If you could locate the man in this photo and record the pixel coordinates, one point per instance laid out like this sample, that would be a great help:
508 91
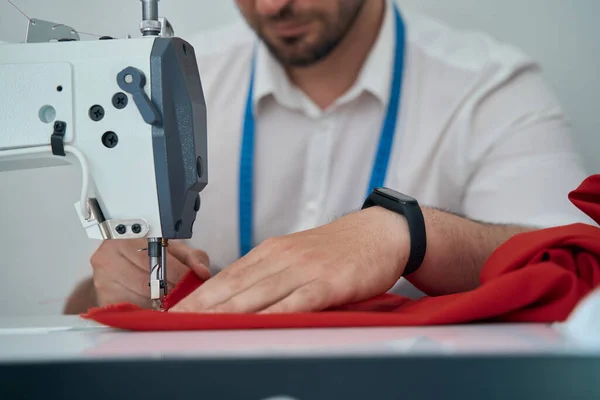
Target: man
314 108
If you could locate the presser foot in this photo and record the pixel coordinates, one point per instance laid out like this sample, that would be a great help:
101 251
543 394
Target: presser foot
157 305
157 253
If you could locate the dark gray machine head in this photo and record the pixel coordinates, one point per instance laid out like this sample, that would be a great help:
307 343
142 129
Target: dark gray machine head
179 139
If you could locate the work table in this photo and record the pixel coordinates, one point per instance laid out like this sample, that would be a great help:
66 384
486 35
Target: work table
70 357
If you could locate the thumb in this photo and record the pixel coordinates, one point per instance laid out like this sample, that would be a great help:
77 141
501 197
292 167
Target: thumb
195 259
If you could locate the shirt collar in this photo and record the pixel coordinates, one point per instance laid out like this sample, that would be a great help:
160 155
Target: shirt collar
375 76
270 78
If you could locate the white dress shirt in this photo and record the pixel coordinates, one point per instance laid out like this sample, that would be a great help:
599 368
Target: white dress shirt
479 133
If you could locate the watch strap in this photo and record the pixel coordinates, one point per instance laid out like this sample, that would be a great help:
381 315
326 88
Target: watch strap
416 227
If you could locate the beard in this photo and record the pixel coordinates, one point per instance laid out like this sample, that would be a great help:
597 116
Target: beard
315 44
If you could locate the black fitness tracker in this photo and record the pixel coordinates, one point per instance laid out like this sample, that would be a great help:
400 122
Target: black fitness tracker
409 208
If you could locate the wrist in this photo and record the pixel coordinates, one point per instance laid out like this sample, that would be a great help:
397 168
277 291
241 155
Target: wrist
409 208
394 238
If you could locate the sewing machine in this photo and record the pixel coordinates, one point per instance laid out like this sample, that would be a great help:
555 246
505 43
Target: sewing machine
130 112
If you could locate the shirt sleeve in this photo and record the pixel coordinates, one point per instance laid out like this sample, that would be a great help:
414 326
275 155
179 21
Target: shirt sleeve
522 159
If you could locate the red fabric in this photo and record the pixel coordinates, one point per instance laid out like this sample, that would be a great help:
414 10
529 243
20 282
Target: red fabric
534 277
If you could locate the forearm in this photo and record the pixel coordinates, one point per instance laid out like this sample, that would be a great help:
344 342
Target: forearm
457 249
82 298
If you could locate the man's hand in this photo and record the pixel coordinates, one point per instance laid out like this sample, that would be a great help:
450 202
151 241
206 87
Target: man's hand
121 272
354 258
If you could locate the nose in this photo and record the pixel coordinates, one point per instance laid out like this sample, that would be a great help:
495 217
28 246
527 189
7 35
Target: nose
270 7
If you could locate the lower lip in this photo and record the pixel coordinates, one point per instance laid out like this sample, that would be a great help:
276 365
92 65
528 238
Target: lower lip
289 31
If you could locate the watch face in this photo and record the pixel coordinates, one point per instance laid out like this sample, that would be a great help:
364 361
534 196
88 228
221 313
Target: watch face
397 196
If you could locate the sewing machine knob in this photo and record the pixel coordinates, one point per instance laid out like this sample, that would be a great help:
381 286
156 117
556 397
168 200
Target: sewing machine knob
133 81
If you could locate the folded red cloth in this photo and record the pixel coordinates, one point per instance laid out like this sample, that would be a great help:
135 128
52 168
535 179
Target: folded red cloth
537 276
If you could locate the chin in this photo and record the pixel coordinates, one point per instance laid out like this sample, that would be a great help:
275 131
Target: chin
299 53
295 59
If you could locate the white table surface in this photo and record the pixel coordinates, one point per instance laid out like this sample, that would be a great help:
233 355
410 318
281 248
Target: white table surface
68 338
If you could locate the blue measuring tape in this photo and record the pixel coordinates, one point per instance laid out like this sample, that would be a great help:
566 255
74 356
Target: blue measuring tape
381 159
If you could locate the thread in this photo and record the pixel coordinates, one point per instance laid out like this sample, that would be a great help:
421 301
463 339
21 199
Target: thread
31 20
79 32
18 9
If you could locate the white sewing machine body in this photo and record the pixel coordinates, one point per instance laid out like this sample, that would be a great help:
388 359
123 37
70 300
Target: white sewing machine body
131 112
68 81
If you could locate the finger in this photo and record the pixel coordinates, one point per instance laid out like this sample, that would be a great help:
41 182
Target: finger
188 255
195 259
123 272
135 251
118 293
228 283
110 265
175 269
264 293
316 295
